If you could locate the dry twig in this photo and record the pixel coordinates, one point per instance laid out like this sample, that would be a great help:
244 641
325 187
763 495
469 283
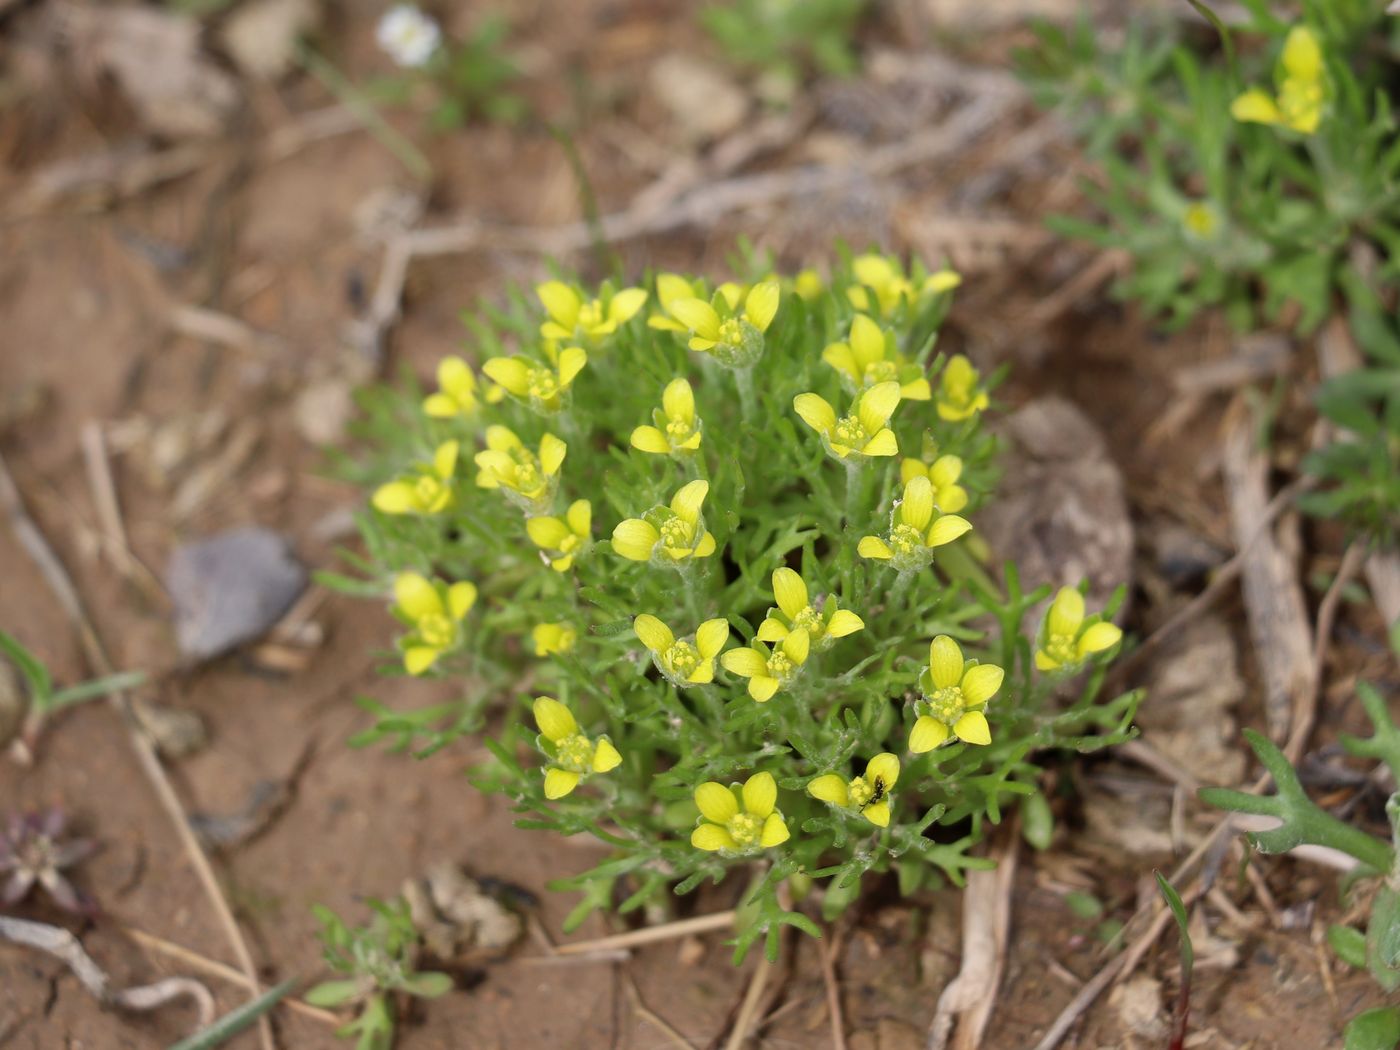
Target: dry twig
826 955
748 1009
651 934
31 538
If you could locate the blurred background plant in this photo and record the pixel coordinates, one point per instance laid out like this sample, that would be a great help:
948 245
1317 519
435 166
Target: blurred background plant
782 40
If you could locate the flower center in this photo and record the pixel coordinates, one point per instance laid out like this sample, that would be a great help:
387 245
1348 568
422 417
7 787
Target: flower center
679 430
849 432
681 659
809 620
732 332
861 792
746 829
676 533
1060 648
590 316
427 491
543 384
947 704
906 540
880 372
1298 100
528 480
574 753
780 666
436 630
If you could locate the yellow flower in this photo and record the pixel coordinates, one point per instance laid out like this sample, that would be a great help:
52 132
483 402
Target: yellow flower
435 612
739 820
868 794
529 480
954 690
864 432
668 535
960 395
735 337
677 430
881 285
1200 220
869 357
1066 640
572 755
769 670
915 529
671 288
685 661
808 285
570 317
824 622
943 474
1301 74
426 490
561 539
457 395
545 388
551 638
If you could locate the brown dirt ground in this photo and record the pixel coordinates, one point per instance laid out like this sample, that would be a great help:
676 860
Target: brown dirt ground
83 309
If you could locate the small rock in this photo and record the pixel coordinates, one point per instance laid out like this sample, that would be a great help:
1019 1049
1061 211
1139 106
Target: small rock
1182 556
705 103
175 732
1138 1002
323 410
230 588
261 37
1062 516
457 918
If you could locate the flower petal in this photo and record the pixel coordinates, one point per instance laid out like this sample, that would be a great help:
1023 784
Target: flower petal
650 439
1066 613
973 728
842 623
867 342
717 803
829 788
571 362
1302 56
945 662
501 439
797 645
916 508
416 596
510 372
559 782
703 674
460 599
946 529
815 411
883 443
874 547
634 539
1098 637
561 302
652 633
775 831
761 304
678 401
712 837
711 637
605 756
981 682
697 315
747 663
625 304
552 453
839 357
670 287
554 719
689 499
706 546
877 405
1255 107
762 688
909 469
580 518
928 734
418 658
772 630
445 459
883 767
440 406
878 813
916 390
547 533
394 498
789 591
760 794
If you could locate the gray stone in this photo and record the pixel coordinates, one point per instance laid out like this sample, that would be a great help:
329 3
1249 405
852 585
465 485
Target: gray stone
230 588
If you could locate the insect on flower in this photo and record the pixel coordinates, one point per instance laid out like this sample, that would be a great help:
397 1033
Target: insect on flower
668 536
562 539
960 394
915 529
434 611
677 429
865 432
882 286
739 820
427 489
867 794
544 387
1301 74
551 638
573 317
1066 640
769 670
732 335
408 36
869 356
527 479
685 661
572 755
34 852
955 691
824 622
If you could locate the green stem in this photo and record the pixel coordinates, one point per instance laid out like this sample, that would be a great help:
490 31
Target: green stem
748 400
853 487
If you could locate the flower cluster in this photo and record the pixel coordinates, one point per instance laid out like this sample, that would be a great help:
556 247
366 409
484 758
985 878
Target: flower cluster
1302 88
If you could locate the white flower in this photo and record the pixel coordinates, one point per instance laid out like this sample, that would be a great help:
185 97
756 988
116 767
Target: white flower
408 36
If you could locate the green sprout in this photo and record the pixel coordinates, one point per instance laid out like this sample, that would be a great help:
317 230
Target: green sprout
376 962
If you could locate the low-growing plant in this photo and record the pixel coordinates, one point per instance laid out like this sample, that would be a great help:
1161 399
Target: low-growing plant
784 39
1302 821
377 963
715 550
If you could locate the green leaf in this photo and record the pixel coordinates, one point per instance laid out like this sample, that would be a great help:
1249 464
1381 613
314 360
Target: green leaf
1383 939
334 993
1173 899
96 688
428 985
31 667
1377 1029
235 1021
1348 944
